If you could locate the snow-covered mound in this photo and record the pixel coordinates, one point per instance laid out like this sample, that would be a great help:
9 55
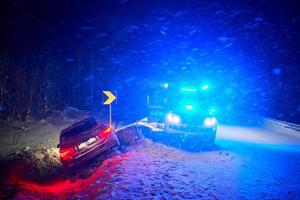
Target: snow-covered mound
36 165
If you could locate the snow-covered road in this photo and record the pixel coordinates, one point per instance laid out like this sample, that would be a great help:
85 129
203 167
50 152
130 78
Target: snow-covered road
247 163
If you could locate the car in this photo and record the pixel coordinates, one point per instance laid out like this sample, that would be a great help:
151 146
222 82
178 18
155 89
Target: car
84 140
199 127
185 111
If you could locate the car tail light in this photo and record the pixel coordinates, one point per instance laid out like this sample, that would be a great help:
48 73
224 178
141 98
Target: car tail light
67 153
105 132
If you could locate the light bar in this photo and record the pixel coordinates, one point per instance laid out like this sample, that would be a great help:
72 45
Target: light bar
189 89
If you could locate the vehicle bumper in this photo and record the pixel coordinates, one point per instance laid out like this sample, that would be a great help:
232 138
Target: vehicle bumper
192 138
191 130
110 143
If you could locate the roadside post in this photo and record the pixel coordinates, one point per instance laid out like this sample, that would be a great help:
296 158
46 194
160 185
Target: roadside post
110 99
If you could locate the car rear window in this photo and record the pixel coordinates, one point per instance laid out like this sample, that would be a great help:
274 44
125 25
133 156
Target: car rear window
79 129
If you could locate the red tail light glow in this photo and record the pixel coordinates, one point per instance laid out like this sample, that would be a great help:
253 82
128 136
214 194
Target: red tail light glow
67 153
105 132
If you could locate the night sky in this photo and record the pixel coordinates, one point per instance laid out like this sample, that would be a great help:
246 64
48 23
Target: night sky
249 51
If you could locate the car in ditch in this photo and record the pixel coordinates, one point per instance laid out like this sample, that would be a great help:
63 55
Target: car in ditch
84 140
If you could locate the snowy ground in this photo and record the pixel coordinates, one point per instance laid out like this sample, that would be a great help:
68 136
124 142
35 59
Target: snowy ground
247 163
43 133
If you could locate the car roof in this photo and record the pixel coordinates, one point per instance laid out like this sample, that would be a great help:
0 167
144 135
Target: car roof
78 124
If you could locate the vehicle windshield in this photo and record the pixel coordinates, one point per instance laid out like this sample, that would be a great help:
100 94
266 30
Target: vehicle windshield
189 99
79 129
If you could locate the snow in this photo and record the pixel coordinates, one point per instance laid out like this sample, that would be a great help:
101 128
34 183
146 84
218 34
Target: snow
245 164
248 50
101 35
163 32
277 71
36 133
153 170
87 28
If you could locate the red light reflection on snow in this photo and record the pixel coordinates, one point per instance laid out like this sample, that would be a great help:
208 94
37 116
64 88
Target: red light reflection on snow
62 187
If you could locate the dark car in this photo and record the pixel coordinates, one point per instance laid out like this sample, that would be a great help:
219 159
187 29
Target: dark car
185 111
84 140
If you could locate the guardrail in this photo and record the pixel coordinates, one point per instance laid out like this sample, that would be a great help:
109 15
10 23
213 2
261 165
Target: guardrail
156 127
288 125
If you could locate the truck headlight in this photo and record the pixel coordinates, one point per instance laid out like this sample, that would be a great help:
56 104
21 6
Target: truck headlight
209 122
173 119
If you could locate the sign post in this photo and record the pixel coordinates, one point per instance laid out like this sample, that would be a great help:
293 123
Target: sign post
110 98
110 115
